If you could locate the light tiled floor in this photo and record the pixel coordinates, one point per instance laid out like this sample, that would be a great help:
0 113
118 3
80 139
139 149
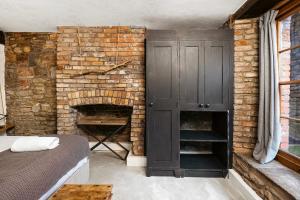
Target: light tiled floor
130 183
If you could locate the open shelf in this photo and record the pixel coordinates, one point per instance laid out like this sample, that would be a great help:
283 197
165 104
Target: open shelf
201 162
201 136
204 144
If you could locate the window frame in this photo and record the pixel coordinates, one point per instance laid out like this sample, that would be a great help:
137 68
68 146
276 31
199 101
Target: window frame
286 9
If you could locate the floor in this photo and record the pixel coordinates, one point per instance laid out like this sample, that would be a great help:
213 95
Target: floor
131 182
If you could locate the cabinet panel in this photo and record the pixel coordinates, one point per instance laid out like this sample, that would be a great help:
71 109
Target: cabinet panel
216 75
162 69
191 74
162 87
164 139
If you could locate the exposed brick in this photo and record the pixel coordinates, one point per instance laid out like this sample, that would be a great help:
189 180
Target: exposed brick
245 85
98 51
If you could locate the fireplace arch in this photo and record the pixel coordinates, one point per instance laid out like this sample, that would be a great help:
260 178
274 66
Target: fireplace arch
111 97
106 97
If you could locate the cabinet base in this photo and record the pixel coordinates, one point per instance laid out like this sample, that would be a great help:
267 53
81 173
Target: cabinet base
186 173
203 173
163 172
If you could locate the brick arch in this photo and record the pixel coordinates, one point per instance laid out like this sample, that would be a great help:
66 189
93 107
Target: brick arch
112 97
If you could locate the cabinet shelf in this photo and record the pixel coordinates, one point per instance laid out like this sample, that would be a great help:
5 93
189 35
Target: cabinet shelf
201 136
201 162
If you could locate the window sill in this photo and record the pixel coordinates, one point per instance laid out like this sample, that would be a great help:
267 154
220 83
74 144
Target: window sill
274 172
288 160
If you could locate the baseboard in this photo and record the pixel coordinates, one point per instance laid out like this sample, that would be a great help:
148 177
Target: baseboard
237 183
112 145
136 161
132 160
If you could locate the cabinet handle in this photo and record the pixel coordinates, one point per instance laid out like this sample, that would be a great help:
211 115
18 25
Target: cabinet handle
207 105
151 104
201 105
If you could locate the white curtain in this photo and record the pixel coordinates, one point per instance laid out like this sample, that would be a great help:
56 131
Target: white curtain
269 131
2 86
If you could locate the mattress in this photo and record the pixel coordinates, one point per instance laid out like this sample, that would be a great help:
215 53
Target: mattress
70 175
31 175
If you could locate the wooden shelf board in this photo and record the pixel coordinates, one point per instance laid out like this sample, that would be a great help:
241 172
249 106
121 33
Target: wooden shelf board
105 121
201 136
201 162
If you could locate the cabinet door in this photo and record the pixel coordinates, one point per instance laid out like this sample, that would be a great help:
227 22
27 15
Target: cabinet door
216 75
162 83
191 75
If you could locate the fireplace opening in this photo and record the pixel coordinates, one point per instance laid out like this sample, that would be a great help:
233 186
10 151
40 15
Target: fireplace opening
101 119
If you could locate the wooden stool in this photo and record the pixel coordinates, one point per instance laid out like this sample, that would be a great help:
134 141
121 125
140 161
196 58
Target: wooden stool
119 123
78 192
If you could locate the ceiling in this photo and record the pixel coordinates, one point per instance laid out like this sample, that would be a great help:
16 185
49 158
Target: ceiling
46 15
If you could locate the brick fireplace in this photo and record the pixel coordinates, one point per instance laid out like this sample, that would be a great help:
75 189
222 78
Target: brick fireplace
81 50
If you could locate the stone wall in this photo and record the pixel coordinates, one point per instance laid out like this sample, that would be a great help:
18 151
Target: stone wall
245 85
261 178
84 49
30 82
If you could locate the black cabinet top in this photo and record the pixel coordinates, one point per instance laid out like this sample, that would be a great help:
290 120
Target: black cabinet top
173 35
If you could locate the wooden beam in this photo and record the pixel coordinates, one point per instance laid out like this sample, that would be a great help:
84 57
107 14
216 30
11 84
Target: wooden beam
288 49
2 37
289 82
102 120
280 4
290 118
244 8
255 8
289 160
289 8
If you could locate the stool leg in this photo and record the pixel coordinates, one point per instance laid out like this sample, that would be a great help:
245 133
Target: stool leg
113 151
127 151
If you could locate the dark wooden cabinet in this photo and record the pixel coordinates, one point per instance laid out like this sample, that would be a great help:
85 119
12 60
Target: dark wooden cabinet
216 75
192 75
204 75
162 106
188 79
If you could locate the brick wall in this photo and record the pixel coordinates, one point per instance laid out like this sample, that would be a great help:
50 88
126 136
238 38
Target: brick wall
30 82
284 75
294 126
245 85
246 92
98 50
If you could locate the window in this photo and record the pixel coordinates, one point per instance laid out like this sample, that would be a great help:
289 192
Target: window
288 29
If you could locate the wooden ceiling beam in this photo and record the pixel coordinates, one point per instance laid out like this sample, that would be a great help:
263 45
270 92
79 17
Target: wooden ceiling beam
2 37
244 8
255 8
289 8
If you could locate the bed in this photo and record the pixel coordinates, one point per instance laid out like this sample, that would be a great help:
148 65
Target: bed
36 175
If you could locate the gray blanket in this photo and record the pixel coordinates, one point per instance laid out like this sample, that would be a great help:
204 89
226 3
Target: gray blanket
29 175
